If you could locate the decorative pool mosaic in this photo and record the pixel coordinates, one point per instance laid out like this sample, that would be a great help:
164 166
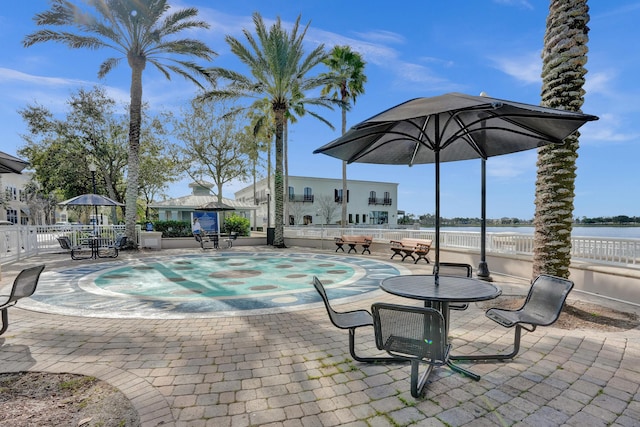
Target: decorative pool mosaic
224 283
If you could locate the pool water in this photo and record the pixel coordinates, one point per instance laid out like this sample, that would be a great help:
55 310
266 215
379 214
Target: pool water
206 285
221 277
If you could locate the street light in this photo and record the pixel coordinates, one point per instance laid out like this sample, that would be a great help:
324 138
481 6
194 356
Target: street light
268 208
93 168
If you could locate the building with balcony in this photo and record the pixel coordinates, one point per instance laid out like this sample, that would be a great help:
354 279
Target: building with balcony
16 209
319 201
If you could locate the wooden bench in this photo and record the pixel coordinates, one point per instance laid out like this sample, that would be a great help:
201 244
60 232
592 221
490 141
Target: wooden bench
352 241
411 248
24 286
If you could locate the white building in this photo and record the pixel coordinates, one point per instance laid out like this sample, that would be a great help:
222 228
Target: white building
319 201
181 208
16 209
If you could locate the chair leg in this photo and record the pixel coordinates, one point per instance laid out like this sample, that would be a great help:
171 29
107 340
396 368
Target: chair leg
5 320
352 350
417 384
506 356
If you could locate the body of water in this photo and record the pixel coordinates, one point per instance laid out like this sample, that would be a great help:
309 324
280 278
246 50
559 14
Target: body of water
614 232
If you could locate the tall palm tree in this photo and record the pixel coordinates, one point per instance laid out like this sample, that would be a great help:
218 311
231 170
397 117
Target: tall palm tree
563 75
348 68
140 31
278 72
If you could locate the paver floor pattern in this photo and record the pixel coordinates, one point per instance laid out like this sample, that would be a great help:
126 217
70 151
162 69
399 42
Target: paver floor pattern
293 369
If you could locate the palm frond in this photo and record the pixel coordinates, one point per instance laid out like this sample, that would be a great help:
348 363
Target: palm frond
107 66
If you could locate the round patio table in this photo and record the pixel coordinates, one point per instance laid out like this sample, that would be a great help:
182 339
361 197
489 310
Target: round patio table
438 294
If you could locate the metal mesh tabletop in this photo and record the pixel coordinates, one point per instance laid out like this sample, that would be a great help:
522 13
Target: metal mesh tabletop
449 288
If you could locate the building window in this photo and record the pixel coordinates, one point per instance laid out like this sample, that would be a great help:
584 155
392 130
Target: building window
350 218
357 218
308 194
12 215
308 220
292 194
387 198
379 217
372 198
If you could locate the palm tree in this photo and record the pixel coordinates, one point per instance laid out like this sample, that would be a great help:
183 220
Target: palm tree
564 56
142 32
348 68
278 73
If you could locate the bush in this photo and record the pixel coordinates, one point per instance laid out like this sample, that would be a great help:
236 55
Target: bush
236 223
173 228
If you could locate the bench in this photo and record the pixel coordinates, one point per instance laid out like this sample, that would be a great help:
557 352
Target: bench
23 286
411 248
352 241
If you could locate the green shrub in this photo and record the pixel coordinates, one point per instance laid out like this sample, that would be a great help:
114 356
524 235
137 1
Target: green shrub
236 223
173 228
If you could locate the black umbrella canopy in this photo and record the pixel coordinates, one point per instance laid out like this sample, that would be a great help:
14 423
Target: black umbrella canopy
215 207
10 164
90 200
452 127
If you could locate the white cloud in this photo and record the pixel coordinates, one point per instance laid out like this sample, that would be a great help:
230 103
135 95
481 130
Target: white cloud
512 165
525 68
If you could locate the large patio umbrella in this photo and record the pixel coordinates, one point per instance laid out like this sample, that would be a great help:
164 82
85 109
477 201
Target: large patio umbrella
452 127
91 200
10 164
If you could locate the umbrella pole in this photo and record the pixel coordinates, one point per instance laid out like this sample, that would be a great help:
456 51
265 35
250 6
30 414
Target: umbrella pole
437 162
483 268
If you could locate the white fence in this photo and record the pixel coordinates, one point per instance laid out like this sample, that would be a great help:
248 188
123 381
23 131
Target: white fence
604 250
18 242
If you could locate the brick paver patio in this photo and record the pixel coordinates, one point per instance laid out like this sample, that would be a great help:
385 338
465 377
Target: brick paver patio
293 368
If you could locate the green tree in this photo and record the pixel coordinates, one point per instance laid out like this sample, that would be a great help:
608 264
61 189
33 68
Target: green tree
563 75
278 74
214 145
347 67
142 32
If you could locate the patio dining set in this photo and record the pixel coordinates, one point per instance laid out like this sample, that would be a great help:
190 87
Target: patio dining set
420 334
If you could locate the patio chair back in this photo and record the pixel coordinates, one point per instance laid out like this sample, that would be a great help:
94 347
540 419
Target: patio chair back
455 269
410 332
24 284
543 305
120 242
65 243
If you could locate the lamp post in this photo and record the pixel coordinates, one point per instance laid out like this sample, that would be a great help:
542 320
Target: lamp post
93 168
268 208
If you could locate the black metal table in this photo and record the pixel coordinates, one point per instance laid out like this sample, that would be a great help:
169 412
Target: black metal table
439 294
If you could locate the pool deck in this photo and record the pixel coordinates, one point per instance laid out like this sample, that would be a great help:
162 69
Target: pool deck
293 368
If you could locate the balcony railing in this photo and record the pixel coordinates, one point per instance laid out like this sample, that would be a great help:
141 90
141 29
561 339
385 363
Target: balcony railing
301 198
378 201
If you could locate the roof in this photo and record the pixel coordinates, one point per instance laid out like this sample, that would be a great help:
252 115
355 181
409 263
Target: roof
192 201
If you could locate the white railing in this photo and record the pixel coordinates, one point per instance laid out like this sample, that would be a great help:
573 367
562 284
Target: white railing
17 242
606 250
22 241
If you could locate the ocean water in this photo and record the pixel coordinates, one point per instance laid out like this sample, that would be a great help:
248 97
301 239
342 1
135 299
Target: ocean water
614 232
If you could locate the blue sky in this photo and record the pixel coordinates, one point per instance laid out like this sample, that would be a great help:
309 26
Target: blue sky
412 49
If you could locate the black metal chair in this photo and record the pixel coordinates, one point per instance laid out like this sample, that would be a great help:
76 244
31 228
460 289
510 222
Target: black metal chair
75 251
349 320
112 251
455 269
542 307
416 334
24 286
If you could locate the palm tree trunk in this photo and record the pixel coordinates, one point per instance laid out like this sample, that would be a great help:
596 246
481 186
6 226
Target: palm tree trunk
278 238
344 172
564 55
133 168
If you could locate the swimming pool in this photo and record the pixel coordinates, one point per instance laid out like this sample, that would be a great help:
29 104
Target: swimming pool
211 285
